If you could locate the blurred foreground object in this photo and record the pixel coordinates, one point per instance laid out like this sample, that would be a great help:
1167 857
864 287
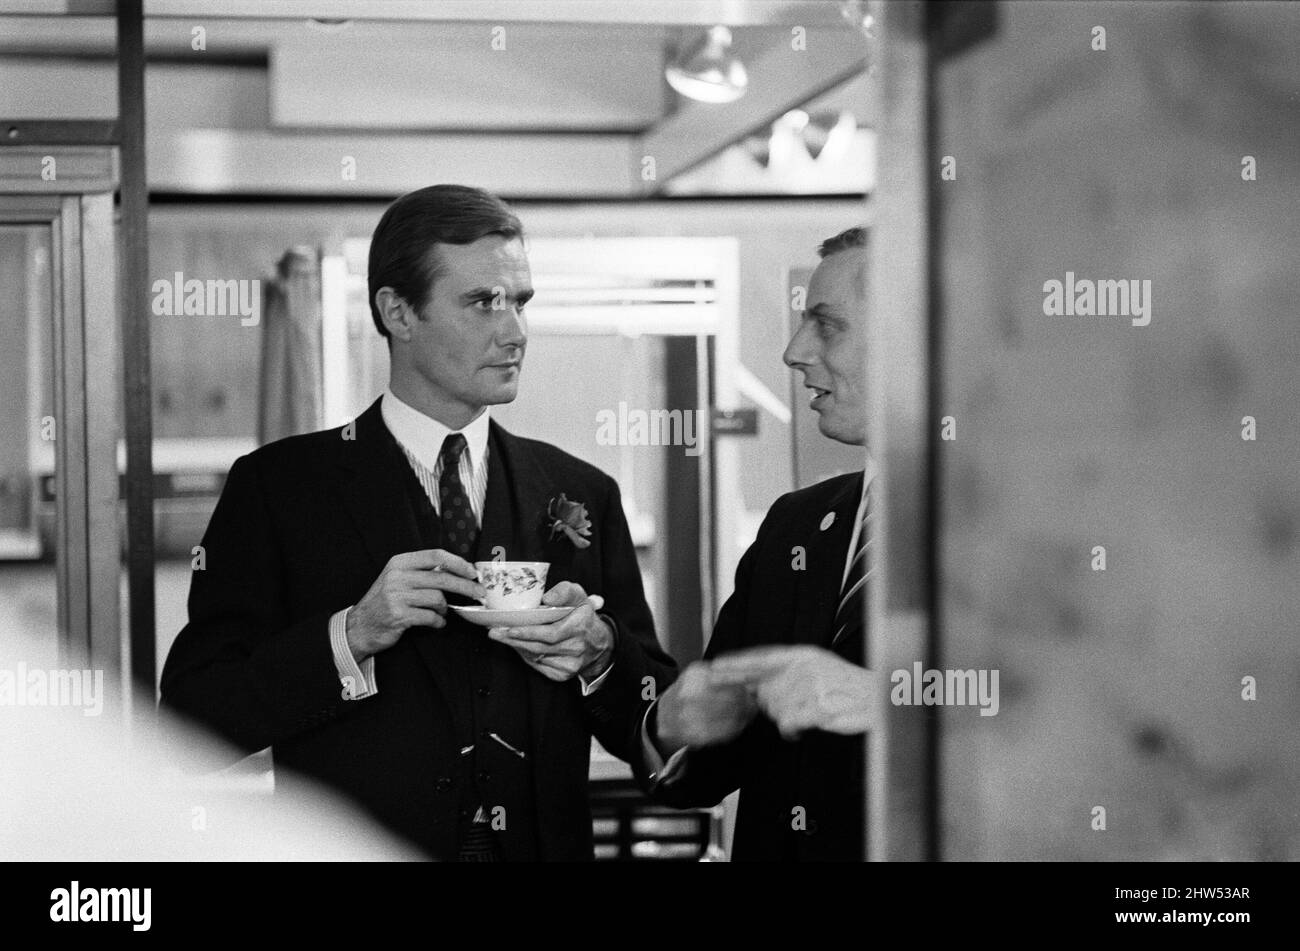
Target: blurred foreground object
71 789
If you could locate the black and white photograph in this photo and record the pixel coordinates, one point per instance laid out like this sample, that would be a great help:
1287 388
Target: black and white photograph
655 432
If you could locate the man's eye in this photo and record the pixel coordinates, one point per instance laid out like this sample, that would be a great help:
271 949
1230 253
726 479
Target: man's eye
483 304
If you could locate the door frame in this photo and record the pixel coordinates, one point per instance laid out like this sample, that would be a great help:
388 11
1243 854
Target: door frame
70 189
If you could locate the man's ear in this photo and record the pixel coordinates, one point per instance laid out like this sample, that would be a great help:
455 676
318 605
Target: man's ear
395 312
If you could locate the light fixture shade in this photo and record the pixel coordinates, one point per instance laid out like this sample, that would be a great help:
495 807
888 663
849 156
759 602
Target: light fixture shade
829 131
708 71
759 148
858 14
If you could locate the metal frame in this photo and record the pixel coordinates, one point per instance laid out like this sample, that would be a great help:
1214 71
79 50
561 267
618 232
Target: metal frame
59 132
81 168
137 372
84 346
700 13
91 169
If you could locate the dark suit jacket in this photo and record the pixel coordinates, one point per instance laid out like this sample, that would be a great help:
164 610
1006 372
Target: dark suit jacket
302 529
776 602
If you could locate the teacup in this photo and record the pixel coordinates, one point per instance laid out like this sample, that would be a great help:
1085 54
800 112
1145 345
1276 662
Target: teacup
512 585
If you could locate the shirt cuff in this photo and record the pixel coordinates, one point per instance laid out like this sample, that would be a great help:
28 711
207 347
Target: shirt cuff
661 773
589 688
358 680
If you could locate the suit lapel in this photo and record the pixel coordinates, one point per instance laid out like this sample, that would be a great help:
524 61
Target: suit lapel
517 493
519 489
819 586
374 496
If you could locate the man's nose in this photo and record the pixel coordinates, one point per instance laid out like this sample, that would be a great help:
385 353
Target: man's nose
514 332
798 351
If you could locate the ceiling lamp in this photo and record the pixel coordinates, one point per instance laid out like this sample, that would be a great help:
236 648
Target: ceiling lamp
759 148
858 15
708 70
829 133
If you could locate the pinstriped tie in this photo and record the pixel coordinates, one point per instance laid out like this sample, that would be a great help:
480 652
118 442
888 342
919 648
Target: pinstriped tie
853 595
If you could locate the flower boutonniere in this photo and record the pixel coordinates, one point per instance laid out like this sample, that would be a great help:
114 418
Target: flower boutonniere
570 518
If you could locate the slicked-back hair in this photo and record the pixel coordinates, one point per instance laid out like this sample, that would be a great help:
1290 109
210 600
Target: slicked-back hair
402 254
855 237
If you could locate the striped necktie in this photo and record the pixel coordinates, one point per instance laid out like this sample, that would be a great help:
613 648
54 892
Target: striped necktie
849 616
459 527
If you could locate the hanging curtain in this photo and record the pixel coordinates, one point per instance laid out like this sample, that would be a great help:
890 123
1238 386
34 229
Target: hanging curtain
291 396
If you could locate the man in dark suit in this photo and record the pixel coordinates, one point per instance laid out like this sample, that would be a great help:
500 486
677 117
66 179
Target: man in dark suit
320 624
777 706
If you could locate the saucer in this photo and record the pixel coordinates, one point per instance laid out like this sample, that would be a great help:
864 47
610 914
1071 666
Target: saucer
486 617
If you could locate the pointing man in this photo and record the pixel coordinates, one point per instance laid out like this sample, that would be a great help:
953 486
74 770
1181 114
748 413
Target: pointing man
776 706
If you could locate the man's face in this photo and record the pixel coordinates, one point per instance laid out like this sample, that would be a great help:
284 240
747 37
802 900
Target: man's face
830 346
469 344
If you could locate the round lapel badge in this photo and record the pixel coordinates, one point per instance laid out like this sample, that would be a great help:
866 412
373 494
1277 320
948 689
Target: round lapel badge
828 521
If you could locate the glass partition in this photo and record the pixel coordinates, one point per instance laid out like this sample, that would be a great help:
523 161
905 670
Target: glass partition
60 571
28 603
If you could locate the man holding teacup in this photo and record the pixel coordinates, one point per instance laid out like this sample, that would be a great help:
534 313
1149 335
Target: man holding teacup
321 624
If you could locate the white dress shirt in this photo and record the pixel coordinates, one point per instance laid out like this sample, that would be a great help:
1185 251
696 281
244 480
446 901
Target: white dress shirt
421 438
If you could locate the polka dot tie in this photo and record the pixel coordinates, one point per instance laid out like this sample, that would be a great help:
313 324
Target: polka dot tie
459 528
